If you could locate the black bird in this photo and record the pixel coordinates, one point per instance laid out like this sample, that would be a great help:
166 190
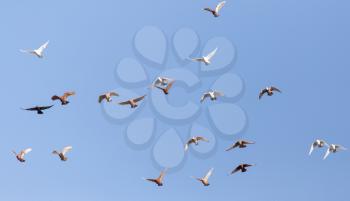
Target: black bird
241 168
269 91
39 109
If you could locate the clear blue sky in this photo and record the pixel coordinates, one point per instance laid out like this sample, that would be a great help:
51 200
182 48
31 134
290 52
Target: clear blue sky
299 46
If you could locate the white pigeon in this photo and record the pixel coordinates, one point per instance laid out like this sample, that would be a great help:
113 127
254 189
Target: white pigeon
206 59
161 81
317 144
333 148
37 52
63 153
205 179
213 95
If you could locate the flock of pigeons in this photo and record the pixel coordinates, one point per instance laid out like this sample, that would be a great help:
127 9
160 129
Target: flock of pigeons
165 84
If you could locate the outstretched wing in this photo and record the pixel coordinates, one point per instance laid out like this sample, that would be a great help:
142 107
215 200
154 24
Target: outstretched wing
219 6
30 109
262 92
312 148
208 9
210 172
211 54
275 89
205 95
125 102
170 85
139 98
113 94
202 138
238 168
43 47
340 147
26 151
70 93
45 107
232 147
327 153
162 174
218 93
100 98
66 149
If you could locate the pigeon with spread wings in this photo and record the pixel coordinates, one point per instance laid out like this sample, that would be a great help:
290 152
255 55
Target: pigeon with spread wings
205 179
240 144
63 98
37 52
333 148
158 180
195 140
133 102
62 154
215 11
38 109
107 96
317 144
206 59
21 154
213 95
241 168
167 88
269 91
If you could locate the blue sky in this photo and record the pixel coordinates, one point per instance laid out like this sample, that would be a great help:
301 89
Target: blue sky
299 46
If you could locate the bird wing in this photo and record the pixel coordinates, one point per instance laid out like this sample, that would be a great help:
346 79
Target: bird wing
210 172
218 93
340 147
327 153
43 47
55 97
219 6
162 174
66 149
236 169
70 93
202 138
262 92
170 84
45 107
211 54
208 9
275 89
204 96
113 94
247 142
139 98
232 146
197 59
26 151
100 98
312 148
30 109
125 102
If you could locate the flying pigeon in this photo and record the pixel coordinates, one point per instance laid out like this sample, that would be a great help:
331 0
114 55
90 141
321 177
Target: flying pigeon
240 144
205 179
21 154
161 81
107 96
269 91
159 180
63 98
317 144
38 109
217 9
194 140
206 59
213 95
333 148
37 52
241 167
132 102
63 153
